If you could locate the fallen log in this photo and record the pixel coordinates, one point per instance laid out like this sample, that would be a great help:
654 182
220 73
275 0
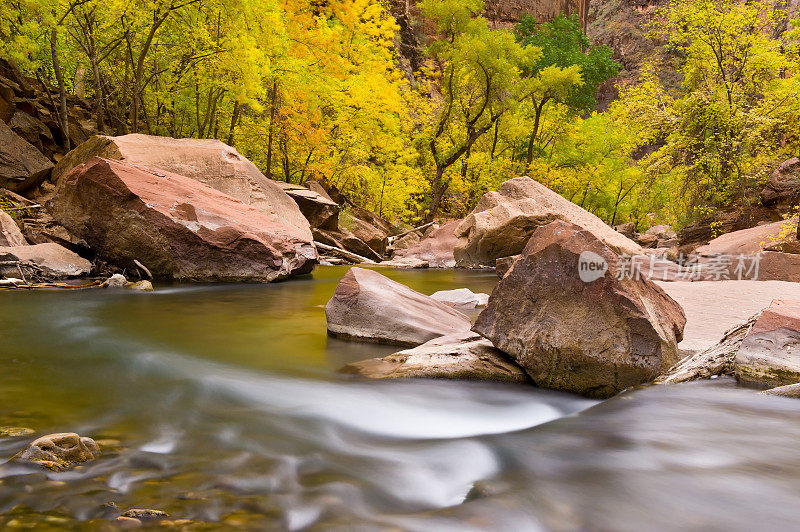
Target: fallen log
344 253
412 230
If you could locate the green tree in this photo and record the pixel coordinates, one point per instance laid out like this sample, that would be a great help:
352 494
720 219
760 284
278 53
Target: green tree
568 72
480 81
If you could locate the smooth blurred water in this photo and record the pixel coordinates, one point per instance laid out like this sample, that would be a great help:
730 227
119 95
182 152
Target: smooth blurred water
228 409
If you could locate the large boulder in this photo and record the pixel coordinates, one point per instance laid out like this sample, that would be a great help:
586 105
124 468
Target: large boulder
22 166
436 248
48 261
369 307
59 452
320 211
464 355
770 353
768 236
208 161
10 234
573 323
503 222
176 227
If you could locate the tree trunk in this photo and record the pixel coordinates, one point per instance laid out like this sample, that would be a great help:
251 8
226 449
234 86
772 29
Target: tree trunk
62 90
234 120
438 193
270 135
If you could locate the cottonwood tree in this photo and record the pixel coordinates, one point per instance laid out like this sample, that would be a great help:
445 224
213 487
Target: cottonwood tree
479 81
568 72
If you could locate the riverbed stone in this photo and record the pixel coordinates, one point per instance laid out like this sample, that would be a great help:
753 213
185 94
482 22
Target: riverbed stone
579 329
464 355
461 298
175 226
770 354
789 390
115 281
370 307
502 223
50 261
208 161
59 452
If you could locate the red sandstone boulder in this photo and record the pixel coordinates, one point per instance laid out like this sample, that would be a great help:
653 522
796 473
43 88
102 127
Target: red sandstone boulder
176 227
503 222
771 236
436 249
770 353
208 161
564 315
369 307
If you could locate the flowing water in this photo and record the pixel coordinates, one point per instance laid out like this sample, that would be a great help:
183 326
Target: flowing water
222 404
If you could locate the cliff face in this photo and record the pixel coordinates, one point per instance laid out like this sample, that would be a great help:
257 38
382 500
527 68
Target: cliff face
508 12
415 30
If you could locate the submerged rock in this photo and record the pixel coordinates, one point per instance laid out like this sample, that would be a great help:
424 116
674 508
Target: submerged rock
176 227
770 353
464 355
13 432
145 514
503 222
573 324
59 452
461 298
369 307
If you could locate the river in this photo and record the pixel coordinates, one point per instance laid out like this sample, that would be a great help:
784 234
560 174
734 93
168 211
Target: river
223 404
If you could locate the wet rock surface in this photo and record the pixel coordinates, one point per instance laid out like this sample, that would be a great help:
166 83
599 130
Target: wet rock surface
59 452
369 307
456 356
176 227
595 335
770 353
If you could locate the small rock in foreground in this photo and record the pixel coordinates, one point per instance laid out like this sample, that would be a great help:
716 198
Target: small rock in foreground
461 298
790 390
457 356
770 354
59 452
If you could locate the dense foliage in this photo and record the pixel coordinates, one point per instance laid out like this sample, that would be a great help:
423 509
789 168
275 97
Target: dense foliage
315 90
